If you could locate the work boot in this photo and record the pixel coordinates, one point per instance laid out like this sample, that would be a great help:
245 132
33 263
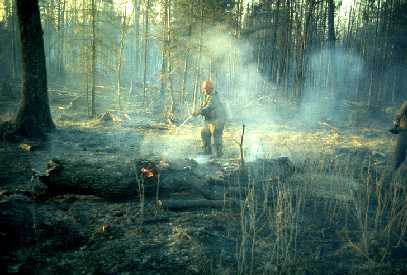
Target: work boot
219 152
207 150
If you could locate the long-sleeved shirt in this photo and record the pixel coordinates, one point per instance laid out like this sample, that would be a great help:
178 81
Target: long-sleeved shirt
212 108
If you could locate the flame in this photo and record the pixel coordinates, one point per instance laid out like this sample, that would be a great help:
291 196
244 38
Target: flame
147 172
104 227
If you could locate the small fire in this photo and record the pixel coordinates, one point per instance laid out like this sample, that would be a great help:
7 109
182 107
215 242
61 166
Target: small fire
104 228
147 172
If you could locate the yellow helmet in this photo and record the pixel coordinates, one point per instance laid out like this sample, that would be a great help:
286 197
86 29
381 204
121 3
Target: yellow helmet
207 85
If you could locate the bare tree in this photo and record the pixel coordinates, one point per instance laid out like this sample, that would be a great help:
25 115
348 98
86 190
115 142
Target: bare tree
93 87
146 34
123 34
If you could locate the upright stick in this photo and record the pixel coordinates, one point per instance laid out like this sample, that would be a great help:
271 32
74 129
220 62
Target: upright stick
241 147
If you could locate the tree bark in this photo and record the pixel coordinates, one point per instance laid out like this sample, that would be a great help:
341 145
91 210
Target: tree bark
137 9
34 115
123 34
114 181
331 45
146 34
93 92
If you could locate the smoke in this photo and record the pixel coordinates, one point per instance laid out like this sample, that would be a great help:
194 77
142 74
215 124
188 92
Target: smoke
253 100
231 63
180 144
332 76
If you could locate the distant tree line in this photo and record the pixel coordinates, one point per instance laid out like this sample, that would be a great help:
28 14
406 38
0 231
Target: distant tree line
144 49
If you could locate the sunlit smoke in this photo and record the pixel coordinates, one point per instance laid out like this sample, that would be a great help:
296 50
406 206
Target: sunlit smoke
327 84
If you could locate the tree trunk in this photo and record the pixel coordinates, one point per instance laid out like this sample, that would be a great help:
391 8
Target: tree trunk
146 30
34 115
184 78
137 6
92 96
120 60
331 45
164 53
14 46
61 35
198 73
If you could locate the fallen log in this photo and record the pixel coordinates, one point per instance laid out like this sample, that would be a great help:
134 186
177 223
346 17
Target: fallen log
118 179
111 179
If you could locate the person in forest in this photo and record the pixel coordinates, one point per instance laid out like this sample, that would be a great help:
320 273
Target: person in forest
400 128
214 114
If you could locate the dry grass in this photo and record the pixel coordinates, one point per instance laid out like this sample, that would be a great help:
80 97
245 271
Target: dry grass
369 210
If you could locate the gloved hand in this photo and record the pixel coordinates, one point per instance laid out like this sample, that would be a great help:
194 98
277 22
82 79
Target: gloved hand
396 128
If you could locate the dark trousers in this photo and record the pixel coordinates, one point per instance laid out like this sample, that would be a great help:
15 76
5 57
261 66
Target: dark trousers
212 129
401 148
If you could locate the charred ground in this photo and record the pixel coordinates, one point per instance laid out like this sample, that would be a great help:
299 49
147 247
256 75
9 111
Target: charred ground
308 200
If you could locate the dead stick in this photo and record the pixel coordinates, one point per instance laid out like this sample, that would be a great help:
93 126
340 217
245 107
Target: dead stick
157 190
241 147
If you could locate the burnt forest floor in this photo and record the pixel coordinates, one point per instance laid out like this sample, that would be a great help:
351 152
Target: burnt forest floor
337 210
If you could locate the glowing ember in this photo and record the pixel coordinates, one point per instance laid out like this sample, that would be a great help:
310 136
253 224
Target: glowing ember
147 172
104 227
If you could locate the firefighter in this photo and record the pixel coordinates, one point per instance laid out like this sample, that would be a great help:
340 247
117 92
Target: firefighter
214 114
400 128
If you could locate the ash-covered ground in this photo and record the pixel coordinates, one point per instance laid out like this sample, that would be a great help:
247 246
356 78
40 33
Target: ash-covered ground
315 199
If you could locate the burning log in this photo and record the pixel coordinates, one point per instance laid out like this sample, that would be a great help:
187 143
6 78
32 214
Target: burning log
148 173
116 179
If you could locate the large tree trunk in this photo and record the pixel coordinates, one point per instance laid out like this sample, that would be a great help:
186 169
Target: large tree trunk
34 116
